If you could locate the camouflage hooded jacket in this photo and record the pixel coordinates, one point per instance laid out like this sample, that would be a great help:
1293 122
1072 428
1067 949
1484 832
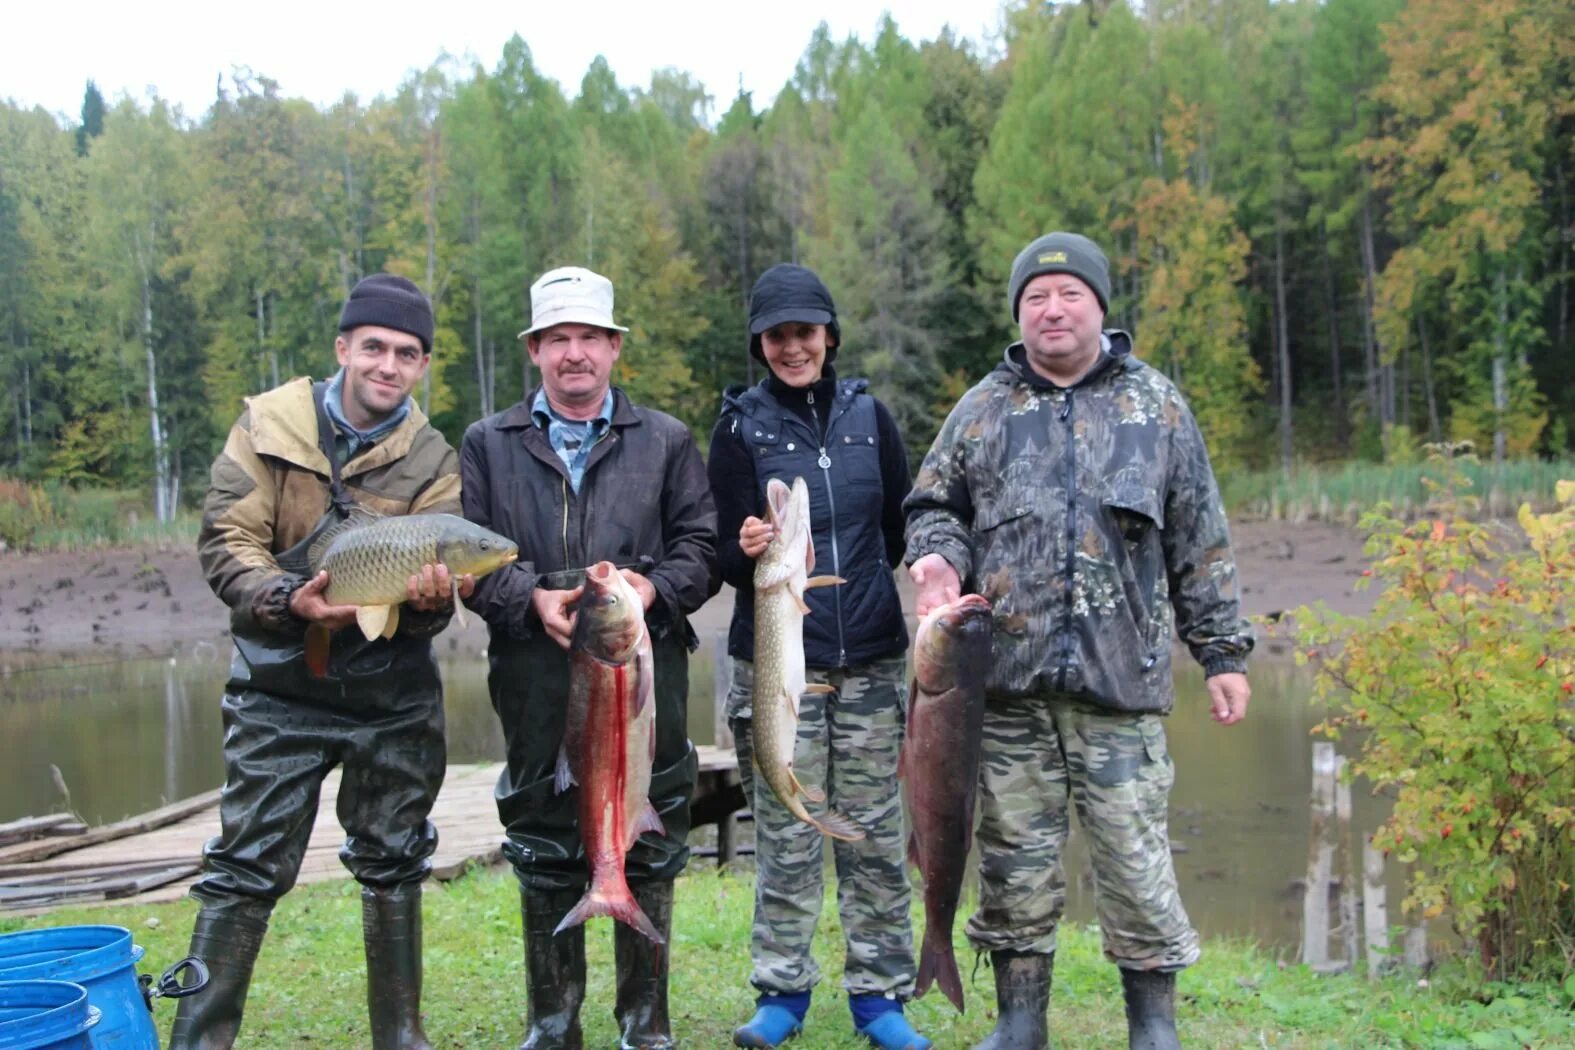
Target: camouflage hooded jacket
1088 515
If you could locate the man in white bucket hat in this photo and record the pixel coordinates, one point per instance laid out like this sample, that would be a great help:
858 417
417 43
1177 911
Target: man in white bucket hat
577 473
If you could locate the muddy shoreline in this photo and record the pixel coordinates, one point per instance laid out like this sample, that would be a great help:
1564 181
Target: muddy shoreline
149 601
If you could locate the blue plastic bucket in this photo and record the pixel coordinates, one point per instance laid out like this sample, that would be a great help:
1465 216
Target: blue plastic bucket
103 960
45 1015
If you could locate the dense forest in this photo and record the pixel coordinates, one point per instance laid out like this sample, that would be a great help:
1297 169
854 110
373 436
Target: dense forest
1344 227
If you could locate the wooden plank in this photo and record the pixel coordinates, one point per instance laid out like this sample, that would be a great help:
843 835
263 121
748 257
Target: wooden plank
29 828
109 832
23 874
716 759
104 888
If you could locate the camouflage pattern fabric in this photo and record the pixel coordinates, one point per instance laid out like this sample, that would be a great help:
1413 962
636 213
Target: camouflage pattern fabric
1040 757
848 742
1089 516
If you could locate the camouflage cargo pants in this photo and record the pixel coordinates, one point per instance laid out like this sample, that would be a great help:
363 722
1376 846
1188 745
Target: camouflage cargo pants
848 743
1040 756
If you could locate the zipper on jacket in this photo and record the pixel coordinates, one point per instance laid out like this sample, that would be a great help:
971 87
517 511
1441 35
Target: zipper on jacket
565 533
1070 570
824 463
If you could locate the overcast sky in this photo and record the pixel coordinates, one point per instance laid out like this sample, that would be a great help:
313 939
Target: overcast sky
49 49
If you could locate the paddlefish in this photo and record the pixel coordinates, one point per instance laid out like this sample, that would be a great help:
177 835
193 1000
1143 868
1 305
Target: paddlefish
609 742
939 768
781 577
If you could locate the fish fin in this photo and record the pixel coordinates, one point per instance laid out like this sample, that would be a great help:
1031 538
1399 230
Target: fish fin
649 820
819 687
823 581
459 606
357 517
938 965
393 622
913 851
372 619
318 639
563 776
798 600
809 553
614 900
810 793
839 826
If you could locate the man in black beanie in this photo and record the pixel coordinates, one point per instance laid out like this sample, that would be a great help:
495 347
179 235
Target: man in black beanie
1071 488
300 460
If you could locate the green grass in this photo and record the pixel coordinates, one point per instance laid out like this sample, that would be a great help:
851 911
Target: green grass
309 989
1345 492
59 517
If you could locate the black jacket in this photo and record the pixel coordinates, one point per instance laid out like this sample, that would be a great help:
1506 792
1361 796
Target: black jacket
774 431
643 503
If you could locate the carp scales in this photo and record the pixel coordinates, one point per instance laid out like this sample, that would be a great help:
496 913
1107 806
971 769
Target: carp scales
369 564
609 742
781 577
370 559
939 768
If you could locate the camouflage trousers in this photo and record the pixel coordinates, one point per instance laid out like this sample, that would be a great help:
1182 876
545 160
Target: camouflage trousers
1041 757
848 742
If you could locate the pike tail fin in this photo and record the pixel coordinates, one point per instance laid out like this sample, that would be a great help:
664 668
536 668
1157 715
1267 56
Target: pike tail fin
611 896
838 826
938 965
318 638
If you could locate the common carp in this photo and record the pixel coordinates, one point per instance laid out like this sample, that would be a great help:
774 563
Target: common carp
939 768
371 558
609 742
781 577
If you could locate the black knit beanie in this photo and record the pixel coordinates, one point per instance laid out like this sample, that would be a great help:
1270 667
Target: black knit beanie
1061 253
389 302
791 293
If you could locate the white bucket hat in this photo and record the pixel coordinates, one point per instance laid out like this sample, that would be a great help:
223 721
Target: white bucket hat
571 295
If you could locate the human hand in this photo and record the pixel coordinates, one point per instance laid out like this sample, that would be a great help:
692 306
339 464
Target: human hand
754 536
1228 696
309 604
642 586
432 588
937 582
557 612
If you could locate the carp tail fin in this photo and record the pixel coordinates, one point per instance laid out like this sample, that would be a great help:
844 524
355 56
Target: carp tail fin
938 965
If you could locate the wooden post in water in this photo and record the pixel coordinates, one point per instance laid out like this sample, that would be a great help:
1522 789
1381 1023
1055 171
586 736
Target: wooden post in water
1320 859
722 736
1375 910
1345 863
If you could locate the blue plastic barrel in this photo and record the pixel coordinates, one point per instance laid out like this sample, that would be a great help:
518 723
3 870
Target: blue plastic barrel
45 1015
103 960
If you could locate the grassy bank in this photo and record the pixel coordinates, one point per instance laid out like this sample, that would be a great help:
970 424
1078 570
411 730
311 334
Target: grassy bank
57 517
1345 492
310 985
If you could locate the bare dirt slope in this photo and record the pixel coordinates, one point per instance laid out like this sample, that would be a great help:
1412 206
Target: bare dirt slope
151 601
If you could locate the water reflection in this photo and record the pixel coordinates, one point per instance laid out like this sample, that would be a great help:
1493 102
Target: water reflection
131 736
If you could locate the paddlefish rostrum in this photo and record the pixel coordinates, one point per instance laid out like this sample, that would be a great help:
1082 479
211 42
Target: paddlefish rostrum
939 768
609 742
781 577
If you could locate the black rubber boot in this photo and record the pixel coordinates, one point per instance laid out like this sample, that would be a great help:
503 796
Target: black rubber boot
1022 999
641 1008
1151 1009
554 971
227 940
391 928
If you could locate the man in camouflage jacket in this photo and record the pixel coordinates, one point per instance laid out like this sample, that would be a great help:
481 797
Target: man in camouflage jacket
1072 488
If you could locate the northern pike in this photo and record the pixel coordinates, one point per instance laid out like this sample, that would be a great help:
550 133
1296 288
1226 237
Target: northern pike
609 742
371 558
939 768
781 577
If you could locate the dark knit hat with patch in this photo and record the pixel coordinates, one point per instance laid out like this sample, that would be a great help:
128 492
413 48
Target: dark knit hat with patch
1061 253
389 302
791 293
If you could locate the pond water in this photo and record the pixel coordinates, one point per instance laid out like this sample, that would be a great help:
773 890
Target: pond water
130 736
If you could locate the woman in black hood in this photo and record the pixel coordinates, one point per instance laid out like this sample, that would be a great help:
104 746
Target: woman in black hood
801 420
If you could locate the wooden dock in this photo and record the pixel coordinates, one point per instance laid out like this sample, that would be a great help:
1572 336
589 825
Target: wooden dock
157 856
